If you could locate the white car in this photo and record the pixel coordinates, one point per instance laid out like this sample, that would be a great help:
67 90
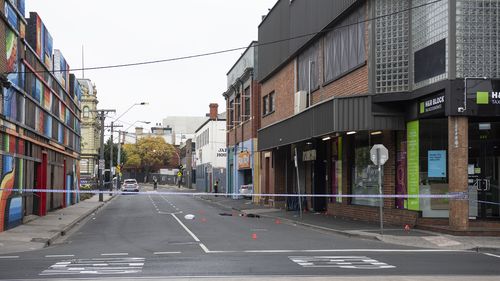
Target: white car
130 185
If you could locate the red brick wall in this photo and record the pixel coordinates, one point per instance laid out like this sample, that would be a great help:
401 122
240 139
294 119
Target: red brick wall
282 83
371 214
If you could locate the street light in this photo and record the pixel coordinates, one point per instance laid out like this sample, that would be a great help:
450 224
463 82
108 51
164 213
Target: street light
118 185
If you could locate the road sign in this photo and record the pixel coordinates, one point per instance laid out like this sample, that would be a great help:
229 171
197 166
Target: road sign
379 154
102 164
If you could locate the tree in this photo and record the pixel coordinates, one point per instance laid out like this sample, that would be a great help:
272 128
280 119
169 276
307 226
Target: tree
149 154
107 151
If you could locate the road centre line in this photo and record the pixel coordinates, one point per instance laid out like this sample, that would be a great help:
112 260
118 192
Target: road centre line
492 255
59 256
204 248
115 254
9 257
185 228
166 253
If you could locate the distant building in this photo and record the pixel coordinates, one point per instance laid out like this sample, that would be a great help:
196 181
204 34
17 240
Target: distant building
210 153
183 127
90 129
157 131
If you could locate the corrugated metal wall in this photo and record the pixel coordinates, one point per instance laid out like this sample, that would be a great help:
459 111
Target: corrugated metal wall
293 20
336 115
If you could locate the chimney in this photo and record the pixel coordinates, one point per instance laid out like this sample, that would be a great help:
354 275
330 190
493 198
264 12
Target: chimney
214 111
138 131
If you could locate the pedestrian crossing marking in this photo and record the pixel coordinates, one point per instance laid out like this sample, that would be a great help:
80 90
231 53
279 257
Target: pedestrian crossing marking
96 266
346 262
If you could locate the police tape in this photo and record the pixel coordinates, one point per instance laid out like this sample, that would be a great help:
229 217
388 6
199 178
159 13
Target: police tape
451 195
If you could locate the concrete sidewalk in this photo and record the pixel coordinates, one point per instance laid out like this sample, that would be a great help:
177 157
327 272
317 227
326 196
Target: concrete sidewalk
393 234
43 231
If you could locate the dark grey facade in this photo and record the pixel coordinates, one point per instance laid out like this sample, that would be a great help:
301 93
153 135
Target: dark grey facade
292 19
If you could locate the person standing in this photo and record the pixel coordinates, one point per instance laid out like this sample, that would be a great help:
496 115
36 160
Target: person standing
216 187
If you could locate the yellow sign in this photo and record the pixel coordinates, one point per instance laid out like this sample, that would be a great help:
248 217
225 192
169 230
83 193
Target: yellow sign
179 174
244 160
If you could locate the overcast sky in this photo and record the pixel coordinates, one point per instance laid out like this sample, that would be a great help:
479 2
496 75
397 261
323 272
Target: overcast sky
127 31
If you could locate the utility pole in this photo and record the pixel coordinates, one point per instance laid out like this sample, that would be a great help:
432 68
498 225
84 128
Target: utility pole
118 160
111 155
102 117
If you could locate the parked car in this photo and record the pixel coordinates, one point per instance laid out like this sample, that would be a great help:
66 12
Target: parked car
130 185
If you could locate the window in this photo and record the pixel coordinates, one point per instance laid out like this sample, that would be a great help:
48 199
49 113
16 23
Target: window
231 112
86 112
271 102
246 108
344 47
265 104
237 117
308 66
364 172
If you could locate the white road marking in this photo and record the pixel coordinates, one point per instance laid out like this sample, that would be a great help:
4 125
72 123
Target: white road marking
205 249
9 257
59 256
353 262
492 255
165 253
353 250
103 266
185 228
115 254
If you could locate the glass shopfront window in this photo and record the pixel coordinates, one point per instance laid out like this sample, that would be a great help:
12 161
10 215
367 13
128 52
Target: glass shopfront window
433 163
364 173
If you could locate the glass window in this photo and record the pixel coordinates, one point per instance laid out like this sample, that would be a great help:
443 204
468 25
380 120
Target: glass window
308 66
271 102
265 105
365 174
237 118
247 104
86 111
344 47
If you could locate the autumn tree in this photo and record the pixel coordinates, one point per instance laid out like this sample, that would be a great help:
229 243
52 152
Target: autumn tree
149 154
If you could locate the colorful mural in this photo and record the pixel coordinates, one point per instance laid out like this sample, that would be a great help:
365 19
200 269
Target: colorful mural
11 54
11 15
11 178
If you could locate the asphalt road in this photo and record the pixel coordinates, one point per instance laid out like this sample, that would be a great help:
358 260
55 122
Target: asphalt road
138 236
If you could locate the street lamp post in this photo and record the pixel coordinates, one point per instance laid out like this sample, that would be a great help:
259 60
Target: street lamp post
102 116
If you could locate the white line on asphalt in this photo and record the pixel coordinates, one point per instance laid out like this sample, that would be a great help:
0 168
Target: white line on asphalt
355 250
165 253
115 254
204 248
492 255
58 256
185 228
9 257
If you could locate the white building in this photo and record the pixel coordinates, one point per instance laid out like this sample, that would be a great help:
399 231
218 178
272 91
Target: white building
210 158
183 127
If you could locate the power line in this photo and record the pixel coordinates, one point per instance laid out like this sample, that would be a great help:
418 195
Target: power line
233 49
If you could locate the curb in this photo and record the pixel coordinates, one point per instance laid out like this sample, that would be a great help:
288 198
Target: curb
71 225
341 232
485 249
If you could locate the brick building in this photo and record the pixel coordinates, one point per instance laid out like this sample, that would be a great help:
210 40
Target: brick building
359 73
243 118
40 120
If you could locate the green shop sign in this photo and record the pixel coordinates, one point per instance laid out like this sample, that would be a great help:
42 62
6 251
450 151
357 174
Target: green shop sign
413 171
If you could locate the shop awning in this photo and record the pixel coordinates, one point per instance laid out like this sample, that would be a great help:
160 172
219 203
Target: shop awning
335 115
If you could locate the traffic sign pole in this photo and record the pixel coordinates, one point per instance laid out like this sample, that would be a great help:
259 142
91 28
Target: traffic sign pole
379 155
381 199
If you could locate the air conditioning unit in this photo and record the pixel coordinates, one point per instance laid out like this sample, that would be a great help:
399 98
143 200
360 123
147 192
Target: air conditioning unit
300 101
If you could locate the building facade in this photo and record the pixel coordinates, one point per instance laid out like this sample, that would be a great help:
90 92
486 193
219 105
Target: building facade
90 143
243 119
40 120
183 127
210 158
421 81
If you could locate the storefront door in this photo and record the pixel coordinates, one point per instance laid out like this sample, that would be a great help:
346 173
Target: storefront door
484 168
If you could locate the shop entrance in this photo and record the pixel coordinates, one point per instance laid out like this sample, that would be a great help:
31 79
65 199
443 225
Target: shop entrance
484 168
